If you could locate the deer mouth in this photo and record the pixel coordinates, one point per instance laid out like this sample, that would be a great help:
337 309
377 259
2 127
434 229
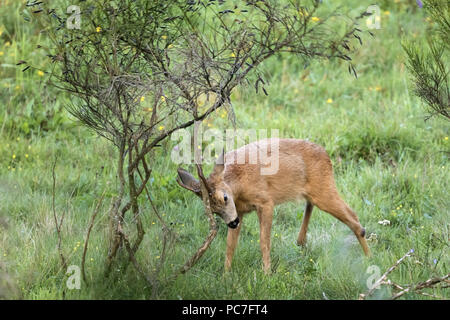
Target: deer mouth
233 224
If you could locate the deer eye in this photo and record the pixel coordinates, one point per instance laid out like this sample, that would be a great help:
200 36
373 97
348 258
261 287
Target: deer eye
225 197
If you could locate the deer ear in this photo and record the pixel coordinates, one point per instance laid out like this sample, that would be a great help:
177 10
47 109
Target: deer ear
187 181
220 164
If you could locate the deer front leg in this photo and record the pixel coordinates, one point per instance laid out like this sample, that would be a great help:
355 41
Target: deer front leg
265 215
232 240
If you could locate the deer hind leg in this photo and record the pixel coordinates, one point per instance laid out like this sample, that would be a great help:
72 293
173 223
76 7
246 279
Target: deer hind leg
301 240
334 205
232 240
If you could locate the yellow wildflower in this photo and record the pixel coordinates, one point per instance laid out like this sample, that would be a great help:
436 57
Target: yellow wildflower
315 19
98 29
142 99
330 100
163 99
40 73
1 53
302 12
164 37
161 128
386 13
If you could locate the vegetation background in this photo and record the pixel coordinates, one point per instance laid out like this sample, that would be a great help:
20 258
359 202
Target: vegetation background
389 164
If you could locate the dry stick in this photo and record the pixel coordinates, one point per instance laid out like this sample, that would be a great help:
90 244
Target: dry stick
213 228
400 288
383 277
421 285
393 284
431 295
91 224
58 225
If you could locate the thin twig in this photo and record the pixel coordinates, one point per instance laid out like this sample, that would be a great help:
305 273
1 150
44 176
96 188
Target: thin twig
86 241
383 277
57 224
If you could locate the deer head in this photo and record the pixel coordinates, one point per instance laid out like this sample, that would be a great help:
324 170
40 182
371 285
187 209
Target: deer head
220 193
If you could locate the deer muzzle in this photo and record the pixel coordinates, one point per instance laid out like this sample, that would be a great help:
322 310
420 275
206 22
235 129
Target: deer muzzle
233 224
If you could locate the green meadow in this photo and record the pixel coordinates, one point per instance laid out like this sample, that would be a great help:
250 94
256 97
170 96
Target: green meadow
390 163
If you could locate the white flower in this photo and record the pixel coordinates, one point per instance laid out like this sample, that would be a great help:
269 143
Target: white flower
372 237
384 222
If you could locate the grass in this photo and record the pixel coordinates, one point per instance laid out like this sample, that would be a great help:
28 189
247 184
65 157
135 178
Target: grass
389 164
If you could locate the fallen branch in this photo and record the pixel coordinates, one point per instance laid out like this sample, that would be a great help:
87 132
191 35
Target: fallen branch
430 283
403 289
383 277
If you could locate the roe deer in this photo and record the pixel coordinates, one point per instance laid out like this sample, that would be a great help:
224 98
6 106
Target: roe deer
238 187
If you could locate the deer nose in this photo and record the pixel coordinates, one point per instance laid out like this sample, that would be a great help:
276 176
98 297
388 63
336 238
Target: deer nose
234 224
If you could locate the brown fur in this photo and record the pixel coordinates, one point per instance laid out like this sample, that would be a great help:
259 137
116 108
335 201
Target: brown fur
305 172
